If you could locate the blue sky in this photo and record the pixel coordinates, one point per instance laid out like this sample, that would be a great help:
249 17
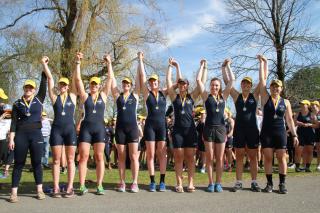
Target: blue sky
188 41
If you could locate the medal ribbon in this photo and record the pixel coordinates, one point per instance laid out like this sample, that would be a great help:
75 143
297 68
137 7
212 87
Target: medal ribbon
217 100
28 105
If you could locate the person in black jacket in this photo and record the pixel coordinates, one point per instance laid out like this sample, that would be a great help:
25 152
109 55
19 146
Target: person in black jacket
25 134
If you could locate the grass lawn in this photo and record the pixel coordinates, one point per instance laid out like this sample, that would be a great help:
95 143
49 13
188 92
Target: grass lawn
112 177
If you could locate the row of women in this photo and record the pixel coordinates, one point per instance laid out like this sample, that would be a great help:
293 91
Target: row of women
25 130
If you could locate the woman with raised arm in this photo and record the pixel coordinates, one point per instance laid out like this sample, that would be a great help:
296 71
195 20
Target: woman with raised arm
92 130
127 132
214 132
246 132
63 131
25 134
273 132
155 126
184 134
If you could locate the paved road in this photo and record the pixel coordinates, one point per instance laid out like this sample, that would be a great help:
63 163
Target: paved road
304 196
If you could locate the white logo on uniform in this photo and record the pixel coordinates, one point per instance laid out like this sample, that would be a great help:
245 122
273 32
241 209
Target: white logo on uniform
251 101
69 103
99 101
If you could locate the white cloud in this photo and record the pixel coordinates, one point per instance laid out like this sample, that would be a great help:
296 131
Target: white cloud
212 12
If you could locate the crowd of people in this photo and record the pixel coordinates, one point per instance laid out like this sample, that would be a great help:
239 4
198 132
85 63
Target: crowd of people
207 135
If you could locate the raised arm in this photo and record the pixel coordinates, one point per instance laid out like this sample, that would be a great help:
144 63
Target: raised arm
52 95
178 71
226 78
200 77
137 87
107 85
229 85
262 79
142 74
170 90
79 84
114 88
41 95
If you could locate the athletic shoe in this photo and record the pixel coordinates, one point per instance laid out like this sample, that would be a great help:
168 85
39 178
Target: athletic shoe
100 190
237 187
318 168
210 188
69 194
268 188
202 170
41 196
293 166
13 198
282 189
218 187
134 188
83 190
307 170
297 169
152 187
56 194
255 187
121 187
162 187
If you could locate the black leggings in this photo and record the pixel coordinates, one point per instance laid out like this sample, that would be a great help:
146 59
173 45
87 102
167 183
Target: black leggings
27 140
107 150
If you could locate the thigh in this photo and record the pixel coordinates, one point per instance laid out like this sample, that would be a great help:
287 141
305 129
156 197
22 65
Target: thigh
84 149
177 138
36 145
149 132
132 135
98 134
85 133
56 138
219 150
120 136
190 138
208 134
220 134
70 136
252 138
21 147
161 132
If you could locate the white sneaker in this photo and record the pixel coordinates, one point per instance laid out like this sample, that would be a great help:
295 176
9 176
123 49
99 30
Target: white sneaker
318 168
202 170
293 166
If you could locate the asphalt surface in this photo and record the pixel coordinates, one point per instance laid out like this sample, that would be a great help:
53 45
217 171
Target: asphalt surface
303 196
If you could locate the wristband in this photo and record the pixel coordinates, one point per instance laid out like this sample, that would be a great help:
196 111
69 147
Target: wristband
78 62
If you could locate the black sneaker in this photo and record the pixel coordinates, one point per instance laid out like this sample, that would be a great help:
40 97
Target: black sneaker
282 189
268 188
298 169
255 187
237 187
307 170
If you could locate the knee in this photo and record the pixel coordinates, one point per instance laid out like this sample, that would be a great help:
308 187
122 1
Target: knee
98 157
83 157
56 162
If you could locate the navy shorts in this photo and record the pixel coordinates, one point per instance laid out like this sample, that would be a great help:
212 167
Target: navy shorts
216 134
92 132
306 138
184 137
154 131
273 138
125 135
246 137
65 135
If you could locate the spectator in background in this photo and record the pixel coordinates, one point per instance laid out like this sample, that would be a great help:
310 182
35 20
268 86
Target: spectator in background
46 129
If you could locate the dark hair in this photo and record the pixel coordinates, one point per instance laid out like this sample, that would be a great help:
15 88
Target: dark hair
217 79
